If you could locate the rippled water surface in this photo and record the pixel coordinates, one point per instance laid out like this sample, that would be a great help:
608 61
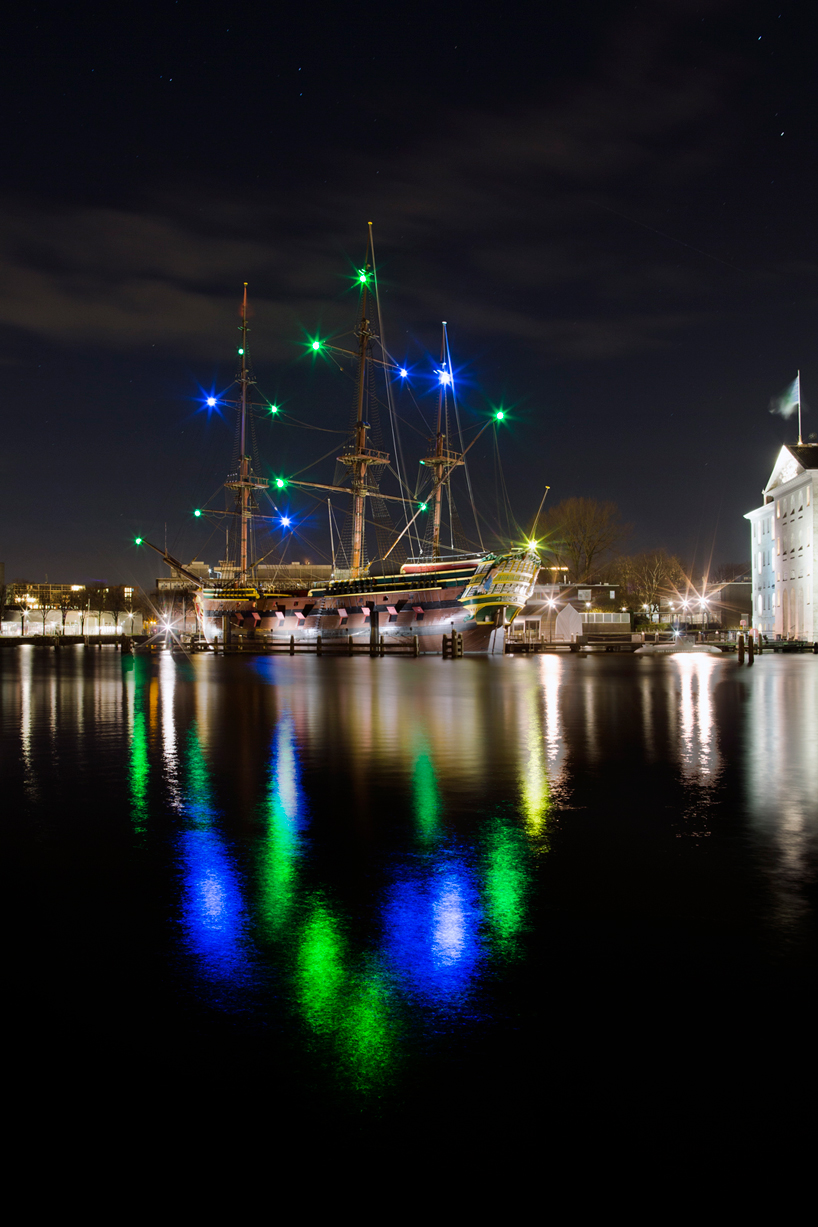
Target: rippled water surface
388 886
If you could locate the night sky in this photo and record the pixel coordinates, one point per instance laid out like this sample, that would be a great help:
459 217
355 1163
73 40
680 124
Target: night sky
612 205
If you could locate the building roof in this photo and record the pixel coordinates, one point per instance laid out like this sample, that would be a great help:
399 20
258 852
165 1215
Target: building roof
793 460
805 453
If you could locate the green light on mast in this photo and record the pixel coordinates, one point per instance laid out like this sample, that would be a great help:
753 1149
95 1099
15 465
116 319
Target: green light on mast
197 513
138 541
499 415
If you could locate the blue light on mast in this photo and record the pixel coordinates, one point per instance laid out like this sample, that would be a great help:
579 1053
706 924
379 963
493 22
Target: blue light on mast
445 377
211 401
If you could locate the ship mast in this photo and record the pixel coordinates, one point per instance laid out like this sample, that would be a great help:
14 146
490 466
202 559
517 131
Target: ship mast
245 481
360 456
443 459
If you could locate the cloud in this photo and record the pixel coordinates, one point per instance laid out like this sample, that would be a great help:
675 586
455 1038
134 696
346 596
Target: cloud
529 222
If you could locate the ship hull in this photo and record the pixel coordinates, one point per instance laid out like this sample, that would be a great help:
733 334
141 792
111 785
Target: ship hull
283 624
475 598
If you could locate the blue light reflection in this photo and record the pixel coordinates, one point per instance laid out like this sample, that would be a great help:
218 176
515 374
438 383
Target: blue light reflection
431 932
213 914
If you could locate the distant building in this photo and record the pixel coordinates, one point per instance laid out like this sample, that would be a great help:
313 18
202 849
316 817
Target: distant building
70 609
562 611
727 604
785 590
45 596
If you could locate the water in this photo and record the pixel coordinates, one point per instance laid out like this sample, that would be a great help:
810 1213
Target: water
382 889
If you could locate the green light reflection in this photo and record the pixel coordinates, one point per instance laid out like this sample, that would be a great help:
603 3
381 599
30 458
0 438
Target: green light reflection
426 795
351 1007
139 762
200 802
508 877
278 870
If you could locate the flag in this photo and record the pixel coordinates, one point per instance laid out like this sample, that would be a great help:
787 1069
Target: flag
786 404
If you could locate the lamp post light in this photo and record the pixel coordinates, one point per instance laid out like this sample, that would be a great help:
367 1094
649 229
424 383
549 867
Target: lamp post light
552 605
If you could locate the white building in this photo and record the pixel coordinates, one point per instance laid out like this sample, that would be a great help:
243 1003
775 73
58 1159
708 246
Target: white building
785 585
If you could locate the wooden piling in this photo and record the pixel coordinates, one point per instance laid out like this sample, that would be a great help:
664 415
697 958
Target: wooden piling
415 646
749 649
741 649
318 645
292 645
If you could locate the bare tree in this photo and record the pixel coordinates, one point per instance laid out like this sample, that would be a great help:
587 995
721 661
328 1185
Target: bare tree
646 578
46 608
96 602
583 533
115 602
66 603
141 603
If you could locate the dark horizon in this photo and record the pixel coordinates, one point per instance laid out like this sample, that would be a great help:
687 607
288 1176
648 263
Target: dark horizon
611 209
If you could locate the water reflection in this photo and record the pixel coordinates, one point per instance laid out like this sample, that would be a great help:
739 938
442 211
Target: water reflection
698 745
136 681
212 909
550 677
432 924
508 876
534 781
427 803
359 851
26 720
780 749
343 999
284 817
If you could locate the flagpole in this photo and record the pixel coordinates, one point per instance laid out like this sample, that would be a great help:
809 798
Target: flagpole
799 407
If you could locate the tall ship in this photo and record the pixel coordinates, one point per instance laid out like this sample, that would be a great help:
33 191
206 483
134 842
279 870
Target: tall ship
393 577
